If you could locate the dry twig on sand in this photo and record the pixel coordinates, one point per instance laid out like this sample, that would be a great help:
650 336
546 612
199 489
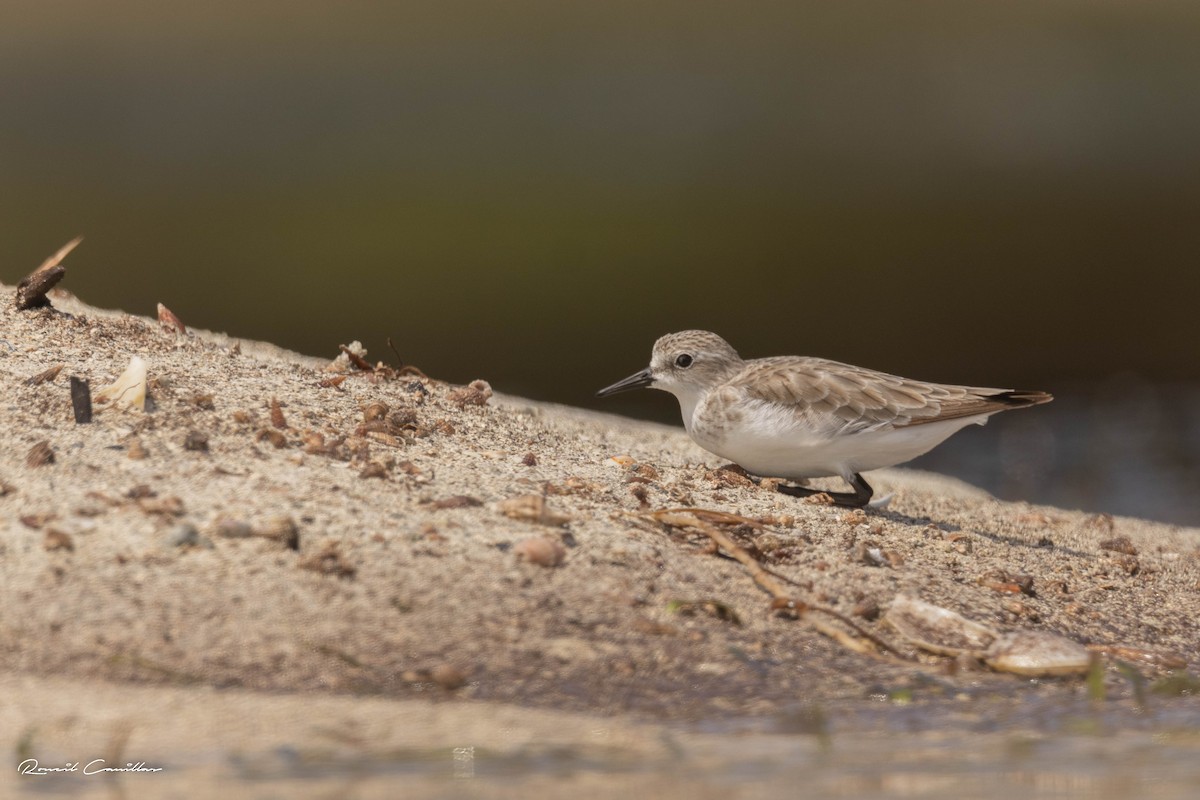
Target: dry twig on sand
703 520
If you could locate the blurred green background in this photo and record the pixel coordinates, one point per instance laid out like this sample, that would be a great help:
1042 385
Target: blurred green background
531 193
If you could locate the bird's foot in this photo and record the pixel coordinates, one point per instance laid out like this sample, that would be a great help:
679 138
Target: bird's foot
859 498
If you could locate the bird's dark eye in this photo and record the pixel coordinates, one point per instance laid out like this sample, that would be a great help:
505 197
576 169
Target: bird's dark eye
684 361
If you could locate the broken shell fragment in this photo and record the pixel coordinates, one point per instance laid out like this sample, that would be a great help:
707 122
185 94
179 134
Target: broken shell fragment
277 418
1036 653
40 455
476 393
170 322
281 529
936 629
457 501
44 376
196 441
58 540
129 390
532 507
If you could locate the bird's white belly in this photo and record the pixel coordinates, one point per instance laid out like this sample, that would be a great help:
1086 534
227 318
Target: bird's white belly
772 447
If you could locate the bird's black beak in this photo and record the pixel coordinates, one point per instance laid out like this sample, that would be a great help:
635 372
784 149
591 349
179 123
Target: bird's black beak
637 381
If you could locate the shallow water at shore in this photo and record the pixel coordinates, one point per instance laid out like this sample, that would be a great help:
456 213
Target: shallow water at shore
1125 447
1093 755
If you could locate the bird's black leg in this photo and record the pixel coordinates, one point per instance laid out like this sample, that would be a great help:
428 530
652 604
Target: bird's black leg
861 496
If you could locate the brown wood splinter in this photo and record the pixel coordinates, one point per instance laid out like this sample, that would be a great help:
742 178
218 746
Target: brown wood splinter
81 400
31 292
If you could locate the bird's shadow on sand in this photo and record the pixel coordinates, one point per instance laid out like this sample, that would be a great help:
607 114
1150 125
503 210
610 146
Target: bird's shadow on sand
1044 543
886 512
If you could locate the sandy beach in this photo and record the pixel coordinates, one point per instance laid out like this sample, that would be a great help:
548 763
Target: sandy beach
288 570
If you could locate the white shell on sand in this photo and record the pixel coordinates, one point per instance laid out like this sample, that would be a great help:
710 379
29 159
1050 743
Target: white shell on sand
129 390
1024 652
1037 653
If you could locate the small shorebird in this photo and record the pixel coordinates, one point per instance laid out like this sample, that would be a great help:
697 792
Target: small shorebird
794 417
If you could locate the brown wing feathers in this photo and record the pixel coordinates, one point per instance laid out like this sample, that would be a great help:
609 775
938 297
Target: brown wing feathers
858 394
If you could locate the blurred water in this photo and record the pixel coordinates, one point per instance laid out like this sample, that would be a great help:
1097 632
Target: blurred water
1124 447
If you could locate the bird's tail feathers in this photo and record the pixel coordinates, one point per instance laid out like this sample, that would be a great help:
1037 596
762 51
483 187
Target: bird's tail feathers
1018 397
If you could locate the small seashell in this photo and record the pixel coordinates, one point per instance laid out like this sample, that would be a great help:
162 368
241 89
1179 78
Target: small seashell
771 485
328 561
871 556
476 393
140 492
185 535
196 441
541 550
58 540
273 436
374 469
623 462
229 528
374 411
354 356
384 438
1028 652
729 475
277 417
867 609
532 507
129 390
645 471
855 517
448 676
1119 544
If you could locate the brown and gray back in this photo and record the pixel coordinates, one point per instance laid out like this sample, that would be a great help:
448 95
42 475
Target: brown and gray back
864 398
